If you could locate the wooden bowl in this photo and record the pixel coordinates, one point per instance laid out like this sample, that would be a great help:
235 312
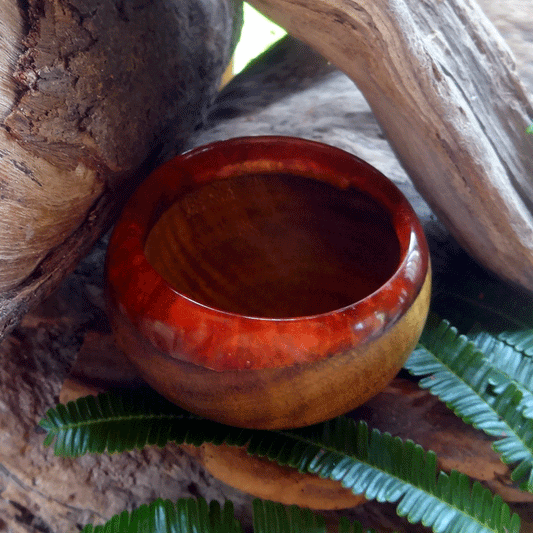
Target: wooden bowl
268 282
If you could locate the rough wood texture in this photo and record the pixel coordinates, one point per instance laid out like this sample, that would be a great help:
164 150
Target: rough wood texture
313 101
90 93
444 88
43 494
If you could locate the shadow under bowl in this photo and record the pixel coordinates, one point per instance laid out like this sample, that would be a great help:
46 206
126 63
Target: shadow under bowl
268 282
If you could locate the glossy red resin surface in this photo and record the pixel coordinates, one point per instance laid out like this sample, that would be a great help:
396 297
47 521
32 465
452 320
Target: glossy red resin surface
219 340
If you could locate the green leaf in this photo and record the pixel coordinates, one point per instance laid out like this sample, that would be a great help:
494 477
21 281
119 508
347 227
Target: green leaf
484 302
511 361
529 129
477 391
391 470
378 465
126 420
190 515
270 517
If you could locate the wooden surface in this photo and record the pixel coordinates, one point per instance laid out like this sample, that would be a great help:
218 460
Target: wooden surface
314 101
443 86
89 95
274 246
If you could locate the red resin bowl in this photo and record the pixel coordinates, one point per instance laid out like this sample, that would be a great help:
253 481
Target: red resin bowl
268 282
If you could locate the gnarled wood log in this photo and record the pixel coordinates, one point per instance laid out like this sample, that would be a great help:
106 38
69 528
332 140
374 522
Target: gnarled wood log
36 357
90 93
442 83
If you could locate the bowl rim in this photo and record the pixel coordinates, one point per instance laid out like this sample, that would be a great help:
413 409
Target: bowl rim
147 299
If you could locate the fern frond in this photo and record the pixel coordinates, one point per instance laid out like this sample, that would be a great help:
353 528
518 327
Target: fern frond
270 517
457 373
511 361
190 515
503 311
478 392
378 465
126 420
187 515
521 340
388 469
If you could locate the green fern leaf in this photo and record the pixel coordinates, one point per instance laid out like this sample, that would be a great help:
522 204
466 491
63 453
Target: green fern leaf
511 361
521 340
376 464
391 470
345 526
270 517
126 420
477 391
457 373
503 311
188 515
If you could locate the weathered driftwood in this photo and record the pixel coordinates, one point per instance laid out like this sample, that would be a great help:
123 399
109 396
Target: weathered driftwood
443 86
78 118
90 92
36 357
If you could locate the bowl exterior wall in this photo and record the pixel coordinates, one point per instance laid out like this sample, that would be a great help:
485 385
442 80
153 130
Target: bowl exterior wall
275 398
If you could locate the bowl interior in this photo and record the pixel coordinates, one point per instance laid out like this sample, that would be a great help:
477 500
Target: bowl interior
274 245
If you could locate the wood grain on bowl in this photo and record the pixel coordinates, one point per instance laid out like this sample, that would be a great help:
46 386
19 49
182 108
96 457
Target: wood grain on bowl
268 282
274 246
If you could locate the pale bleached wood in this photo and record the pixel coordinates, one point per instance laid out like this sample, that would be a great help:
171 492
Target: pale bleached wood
11 34
443 85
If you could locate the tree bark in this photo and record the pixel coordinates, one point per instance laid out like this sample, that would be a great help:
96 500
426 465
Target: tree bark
36 357
443 85
69 326
91 92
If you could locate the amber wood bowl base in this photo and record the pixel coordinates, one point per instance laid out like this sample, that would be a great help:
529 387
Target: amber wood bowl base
271 398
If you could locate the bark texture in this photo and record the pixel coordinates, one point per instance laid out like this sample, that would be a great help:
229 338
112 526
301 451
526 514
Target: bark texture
90 94
293 93
290 92
444 87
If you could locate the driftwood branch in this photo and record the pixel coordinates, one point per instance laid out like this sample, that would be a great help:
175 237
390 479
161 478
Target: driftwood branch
443 86
92 93
37 356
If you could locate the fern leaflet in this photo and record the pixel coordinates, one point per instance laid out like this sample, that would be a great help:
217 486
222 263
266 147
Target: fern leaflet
513 363
378 465
162 516
127 420
482 395
505 312
190 515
